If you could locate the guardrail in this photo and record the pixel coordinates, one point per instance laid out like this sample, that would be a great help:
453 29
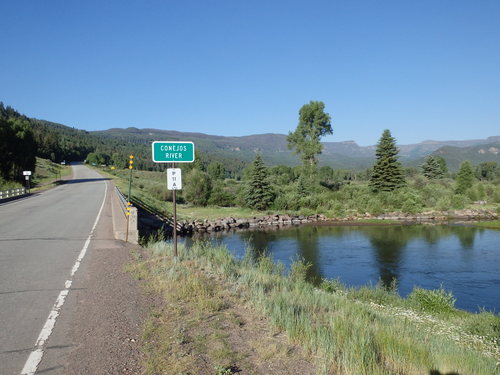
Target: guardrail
122 200
4 194
131 233
147 207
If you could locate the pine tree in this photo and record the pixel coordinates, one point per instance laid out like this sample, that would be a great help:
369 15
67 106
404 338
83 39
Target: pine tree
465 177
387 172
431 168
259 194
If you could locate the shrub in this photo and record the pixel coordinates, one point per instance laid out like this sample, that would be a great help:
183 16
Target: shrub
484 324
219 196
298 270
437 301
374 206
443 203
458 201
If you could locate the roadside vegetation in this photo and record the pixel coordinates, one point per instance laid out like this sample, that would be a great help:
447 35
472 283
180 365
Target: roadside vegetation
46 174
337 330
333 193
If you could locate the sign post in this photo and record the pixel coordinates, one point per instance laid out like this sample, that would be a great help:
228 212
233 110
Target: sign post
173 152
130 167
27 175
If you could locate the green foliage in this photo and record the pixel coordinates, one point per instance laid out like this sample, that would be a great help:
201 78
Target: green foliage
485 324
216 170
387 172
220 195
437 301
298 270
197 187
258 194
17 147
314 123
487 171
223 370
432 168
98 158
465 177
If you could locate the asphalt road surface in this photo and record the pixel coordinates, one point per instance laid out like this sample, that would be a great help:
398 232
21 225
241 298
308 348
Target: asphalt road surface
41 240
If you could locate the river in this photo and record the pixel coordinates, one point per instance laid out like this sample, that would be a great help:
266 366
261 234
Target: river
463 259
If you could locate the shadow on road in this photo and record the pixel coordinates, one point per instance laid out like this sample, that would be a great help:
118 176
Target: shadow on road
83 180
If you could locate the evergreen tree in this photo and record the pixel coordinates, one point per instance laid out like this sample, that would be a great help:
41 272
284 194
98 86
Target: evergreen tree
432 169
465 177
259 194
442 164
387 172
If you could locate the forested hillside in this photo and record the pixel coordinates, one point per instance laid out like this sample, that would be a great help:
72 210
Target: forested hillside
23 138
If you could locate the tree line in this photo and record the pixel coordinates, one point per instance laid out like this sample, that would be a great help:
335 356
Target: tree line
386 185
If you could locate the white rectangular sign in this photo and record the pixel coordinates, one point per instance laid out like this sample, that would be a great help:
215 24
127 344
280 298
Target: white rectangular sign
174 179
27 173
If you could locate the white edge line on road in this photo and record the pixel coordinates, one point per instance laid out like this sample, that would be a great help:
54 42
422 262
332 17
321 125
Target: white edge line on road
36 355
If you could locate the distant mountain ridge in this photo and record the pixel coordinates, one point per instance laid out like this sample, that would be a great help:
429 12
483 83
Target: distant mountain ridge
346 154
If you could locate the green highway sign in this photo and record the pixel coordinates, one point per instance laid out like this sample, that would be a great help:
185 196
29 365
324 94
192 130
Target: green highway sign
173 152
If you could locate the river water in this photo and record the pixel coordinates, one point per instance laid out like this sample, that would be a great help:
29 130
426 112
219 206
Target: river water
463 259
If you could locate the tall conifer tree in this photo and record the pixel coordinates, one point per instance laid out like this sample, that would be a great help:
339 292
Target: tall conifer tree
387 171
432 169
465 177
259 193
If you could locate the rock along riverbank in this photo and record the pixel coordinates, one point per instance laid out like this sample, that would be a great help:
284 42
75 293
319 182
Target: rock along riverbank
278 220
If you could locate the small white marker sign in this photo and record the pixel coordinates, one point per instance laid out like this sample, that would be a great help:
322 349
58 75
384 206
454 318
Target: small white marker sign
174 179
27 173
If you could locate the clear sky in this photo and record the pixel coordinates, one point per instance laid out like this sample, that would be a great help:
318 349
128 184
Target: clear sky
427 69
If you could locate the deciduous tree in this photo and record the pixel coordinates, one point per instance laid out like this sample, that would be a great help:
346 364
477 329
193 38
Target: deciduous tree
314 123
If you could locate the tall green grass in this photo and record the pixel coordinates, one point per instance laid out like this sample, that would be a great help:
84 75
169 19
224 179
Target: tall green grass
346 331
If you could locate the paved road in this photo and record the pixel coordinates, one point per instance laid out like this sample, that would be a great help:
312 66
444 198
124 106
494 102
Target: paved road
41 238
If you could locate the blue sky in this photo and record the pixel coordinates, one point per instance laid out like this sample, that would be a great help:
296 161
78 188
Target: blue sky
423 69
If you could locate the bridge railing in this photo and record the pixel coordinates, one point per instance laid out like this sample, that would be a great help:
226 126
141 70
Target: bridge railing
4 194
131 232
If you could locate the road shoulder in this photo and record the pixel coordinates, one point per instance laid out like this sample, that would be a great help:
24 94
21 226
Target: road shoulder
99 329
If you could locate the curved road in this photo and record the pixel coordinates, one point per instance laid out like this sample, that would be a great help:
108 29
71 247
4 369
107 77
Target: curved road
41 238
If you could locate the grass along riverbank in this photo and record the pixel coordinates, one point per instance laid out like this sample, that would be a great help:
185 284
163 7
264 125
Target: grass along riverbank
328 330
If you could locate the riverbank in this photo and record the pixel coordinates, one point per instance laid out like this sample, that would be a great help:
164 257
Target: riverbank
332 329
280 220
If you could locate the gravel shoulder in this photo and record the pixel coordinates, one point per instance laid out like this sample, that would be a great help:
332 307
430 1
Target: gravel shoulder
99 329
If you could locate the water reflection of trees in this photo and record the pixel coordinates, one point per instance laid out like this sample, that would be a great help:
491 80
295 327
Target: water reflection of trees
388 242
307 237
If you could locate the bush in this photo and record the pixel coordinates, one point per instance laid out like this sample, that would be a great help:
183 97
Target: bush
197 187
458 201
484 324
298 270
374 206
219 196
443 203
437 301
